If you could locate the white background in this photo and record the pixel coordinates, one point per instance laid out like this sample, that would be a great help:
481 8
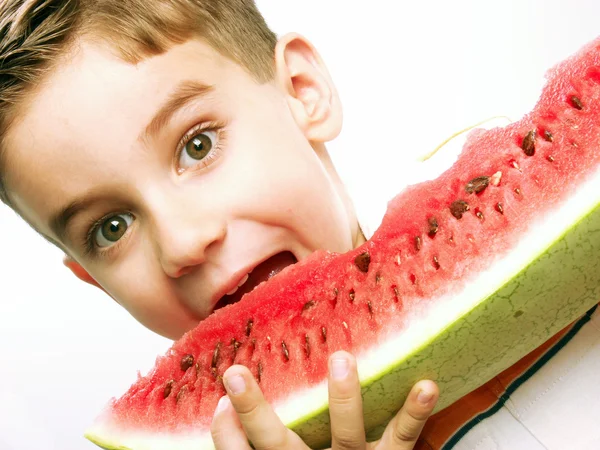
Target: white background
409 74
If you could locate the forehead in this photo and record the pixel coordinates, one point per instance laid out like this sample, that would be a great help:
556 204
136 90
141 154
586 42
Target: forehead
91 105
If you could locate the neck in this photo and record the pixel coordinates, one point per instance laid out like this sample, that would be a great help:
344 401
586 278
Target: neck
358 237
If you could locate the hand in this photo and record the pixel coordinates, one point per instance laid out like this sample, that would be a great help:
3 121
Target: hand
244 414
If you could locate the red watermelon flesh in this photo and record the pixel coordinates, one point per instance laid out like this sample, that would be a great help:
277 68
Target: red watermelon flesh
436 237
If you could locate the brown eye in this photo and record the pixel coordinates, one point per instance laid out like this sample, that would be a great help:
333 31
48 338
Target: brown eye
113 229
197 148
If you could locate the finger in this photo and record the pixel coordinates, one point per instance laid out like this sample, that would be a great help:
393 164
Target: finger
262 426
226 430
404 430
345 404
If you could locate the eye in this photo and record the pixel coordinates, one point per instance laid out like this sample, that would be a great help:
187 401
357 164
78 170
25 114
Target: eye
197 148
112 229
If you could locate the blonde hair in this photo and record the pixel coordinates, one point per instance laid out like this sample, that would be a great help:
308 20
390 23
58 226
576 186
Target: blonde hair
35 33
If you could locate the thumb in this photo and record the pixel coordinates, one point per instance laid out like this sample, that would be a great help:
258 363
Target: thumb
404 429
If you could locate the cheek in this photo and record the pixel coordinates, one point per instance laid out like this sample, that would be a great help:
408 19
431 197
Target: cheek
139 286
279 180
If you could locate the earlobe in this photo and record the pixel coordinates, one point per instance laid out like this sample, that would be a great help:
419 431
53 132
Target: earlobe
311 94
80 272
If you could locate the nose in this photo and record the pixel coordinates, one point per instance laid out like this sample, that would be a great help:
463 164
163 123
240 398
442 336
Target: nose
184 239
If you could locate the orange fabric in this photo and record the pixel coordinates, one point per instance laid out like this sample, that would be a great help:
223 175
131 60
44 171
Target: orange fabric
443 425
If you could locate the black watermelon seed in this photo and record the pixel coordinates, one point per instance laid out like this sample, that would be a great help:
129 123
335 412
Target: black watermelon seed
352 295
362 261
286 354
436 263
324 334
550 158
574 144
308 305
335 292
479 215
500 208
370 306
168 388
528 144
307 346
396 293
477 185
215 357
186 362
576 102
260 371
249 326
181 393
433 226
517 191
418 243
548 136
377 277
458 208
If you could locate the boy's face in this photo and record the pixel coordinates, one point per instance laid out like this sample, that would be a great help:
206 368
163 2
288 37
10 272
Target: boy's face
170 180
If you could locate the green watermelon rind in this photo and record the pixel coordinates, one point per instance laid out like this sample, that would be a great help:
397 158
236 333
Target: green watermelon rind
103 443
535 305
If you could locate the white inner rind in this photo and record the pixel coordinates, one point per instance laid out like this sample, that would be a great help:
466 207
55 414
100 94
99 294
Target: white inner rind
432 319
425 324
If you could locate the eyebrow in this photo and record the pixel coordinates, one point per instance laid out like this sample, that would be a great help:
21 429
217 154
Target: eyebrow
59 221
186 92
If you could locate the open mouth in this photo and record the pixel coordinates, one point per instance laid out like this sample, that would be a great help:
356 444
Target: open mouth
264 271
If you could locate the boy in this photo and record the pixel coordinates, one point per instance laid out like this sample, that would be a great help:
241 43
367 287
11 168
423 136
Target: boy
153 245
141 113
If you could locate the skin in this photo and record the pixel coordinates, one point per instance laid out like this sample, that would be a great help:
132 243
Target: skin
191 228
244 414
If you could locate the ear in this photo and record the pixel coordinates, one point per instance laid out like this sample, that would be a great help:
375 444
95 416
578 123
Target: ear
80 272
311 95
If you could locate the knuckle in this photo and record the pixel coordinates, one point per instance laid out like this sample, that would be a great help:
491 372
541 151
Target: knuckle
248 410
279 445
418 414
341 401
218 434
404 433
347 442
274 441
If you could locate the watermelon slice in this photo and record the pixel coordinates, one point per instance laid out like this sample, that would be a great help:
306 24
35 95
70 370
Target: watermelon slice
467 273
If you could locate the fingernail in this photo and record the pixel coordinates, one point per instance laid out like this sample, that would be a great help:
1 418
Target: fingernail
424 397
339 368
235 384
224 402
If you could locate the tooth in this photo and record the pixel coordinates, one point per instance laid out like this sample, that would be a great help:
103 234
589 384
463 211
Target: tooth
242 281
233 291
